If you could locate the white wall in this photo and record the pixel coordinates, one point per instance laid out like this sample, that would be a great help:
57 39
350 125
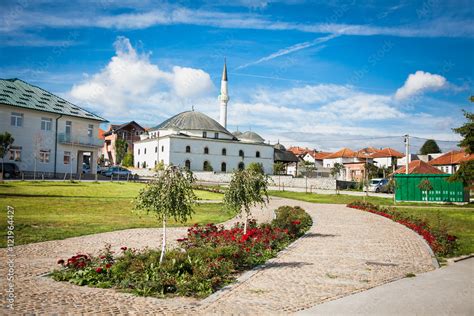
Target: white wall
175 152
32 139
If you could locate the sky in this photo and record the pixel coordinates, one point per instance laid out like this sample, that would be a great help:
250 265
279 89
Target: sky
323 74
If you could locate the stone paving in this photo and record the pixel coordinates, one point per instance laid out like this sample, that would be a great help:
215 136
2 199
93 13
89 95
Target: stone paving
346 251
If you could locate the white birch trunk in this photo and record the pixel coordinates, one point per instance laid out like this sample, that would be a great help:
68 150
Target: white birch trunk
163 244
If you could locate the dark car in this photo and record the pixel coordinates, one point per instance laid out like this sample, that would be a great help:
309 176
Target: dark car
10 170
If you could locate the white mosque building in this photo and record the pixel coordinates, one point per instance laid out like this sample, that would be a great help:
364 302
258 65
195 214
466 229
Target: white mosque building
194 140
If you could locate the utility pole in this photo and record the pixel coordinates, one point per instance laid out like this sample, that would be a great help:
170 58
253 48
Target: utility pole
407 152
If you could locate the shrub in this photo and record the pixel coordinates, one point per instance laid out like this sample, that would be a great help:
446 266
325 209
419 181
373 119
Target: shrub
294 219
208 258
128 160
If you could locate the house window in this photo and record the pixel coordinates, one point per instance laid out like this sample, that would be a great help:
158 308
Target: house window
241 153
15 153
257 154
144 151
46 124
138 152
17 119
216 135
187 164
241 166
204 134
223 167
90 130
188 149
68 128
138 164
224 152
44 156
67 158
162 148
156 149
206 150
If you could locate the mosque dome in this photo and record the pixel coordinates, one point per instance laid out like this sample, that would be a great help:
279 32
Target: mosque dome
251 137
192 120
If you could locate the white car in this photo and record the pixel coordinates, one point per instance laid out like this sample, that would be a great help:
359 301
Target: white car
376 185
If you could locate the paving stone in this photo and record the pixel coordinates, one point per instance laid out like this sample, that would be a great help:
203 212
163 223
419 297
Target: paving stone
346 251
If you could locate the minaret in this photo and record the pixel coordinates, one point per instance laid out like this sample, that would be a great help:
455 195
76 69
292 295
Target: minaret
224 97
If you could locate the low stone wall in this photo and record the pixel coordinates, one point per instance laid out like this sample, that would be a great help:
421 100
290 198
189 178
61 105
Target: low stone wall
281 181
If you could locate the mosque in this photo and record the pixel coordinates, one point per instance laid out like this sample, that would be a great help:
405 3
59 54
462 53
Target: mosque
194 140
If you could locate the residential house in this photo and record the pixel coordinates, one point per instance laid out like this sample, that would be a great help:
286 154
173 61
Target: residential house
353 162
130 132
387 158
449 162
419 167
51 134
288 158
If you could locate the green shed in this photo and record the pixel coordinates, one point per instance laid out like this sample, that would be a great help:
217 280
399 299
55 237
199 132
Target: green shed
407 188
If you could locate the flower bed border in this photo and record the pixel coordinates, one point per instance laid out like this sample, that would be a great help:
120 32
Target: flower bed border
439 242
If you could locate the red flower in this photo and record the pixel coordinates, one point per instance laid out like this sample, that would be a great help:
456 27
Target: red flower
296 222
61 261
123 248
98 270
108 265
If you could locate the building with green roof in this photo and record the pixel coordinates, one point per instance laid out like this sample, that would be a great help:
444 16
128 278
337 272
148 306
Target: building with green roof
52 135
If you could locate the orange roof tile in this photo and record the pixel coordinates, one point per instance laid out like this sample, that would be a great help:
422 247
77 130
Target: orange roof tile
101 133
418 166
387 152
343 153
298 150
454 157
319 155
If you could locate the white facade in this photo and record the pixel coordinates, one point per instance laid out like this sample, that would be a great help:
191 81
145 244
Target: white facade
173 149
383 162
35 146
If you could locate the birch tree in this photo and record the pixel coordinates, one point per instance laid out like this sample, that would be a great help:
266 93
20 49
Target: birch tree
247 188
170 195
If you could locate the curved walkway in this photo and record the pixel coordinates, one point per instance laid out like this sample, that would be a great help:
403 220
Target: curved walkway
346 251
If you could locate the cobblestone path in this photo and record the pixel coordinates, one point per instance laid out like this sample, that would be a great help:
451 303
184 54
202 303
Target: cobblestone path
346 251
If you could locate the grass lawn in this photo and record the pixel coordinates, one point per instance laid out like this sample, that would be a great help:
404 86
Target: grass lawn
58 210
459 220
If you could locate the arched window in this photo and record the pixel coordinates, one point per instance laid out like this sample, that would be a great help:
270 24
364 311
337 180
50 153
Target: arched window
144 151
241 153
187 164
188 149
138 164
223 167
257 154
241 166
206 166
156 149
206 150
224 152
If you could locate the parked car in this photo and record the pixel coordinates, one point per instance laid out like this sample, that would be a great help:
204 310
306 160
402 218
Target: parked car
378 185
113 171
10 170
86 168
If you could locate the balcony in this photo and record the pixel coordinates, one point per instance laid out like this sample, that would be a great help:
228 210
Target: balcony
79 140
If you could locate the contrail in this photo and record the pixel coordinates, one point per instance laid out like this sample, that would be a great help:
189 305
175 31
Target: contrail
290 49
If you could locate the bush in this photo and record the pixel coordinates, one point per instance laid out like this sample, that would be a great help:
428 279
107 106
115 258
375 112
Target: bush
128 160
207 259
294 219
255 167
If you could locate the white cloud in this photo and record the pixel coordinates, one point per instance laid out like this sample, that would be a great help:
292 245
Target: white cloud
420 82
130 80
172 15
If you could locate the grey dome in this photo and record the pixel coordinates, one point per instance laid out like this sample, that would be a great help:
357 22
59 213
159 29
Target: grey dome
279 147
192 120
237 133
251 137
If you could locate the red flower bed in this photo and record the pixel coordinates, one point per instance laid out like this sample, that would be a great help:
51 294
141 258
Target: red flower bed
439 240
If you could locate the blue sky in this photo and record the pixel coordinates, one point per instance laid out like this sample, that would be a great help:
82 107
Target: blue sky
325 74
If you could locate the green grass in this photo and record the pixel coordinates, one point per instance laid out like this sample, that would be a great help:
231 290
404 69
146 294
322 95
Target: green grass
58 210
459 220
345 198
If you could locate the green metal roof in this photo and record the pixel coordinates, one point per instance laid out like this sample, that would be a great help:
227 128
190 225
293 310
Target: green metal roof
21 94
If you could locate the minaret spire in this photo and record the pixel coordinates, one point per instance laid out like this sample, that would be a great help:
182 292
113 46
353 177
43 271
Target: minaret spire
224 97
